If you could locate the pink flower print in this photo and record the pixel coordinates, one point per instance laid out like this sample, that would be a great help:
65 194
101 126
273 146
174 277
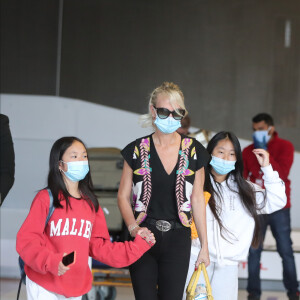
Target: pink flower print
139 206
186 143
141 171
186 206
146 144
134 197
184 220
188 172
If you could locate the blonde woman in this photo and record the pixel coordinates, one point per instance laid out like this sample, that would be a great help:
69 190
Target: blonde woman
164 172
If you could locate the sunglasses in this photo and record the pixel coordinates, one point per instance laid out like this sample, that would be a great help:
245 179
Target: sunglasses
163 113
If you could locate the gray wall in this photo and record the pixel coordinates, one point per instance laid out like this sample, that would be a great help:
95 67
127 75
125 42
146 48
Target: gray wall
227 56
28 46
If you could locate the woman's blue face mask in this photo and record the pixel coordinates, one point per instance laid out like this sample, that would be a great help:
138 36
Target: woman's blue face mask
222 166
168 125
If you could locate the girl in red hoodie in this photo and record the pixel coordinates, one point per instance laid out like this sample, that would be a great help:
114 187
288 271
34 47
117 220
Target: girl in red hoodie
77 224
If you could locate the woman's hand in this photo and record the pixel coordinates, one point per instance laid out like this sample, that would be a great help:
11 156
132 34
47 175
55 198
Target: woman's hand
263 157
147 235
203 257
62 269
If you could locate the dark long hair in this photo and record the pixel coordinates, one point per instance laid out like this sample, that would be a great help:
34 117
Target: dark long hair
55 180
245 190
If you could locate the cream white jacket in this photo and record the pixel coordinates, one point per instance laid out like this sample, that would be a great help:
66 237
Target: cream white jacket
237 220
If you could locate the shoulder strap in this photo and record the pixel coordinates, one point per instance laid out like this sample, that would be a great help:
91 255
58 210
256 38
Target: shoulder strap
51 207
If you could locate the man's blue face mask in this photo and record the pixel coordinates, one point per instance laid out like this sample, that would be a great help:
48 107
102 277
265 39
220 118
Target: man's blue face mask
261 139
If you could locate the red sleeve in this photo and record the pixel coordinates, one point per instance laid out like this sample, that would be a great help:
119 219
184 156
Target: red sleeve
31 243
284 160
115 254
245 156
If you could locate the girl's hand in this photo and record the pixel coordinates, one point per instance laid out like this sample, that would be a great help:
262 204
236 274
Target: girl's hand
147 235
263 157
203 257
62 269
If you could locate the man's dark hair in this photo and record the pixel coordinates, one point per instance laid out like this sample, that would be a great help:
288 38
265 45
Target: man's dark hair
263 117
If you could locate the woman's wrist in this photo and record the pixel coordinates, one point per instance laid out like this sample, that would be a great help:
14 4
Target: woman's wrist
132 227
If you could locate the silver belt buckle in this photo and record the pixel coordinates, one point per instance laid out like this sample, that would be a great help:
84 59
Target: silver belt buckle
163 225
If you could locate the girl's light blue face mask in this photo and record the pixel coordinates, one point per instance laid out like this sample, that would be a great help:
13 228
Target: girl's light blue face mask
222 166
261 139
77 170
168 125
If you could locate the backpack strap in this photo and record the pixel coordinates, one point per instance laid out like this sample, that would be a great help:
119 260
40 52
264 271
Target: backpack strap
51 207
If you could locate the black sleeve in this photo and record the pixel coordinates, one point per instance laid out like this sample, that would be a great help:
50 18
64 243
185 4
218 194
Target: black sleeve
203 156
7 158
127 153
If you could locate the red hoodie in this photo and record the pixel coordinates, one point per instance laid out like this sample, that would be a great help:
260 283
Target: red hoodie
281 158
80 229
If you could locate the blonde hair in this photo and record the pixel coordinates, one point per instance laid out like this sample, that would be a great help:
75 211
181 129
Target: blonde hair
175 96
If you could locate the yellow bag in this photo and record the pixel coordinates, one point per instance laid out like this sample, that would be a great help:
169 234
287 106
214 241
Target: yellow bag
190 291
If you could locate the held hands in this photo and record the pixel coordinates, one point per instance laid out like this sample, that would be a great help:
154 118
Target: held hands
145 234
62 269
203 257
263 157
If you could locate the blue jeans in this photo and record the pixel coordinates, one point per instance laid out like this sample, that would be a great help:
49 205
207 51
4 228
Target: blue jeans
280 224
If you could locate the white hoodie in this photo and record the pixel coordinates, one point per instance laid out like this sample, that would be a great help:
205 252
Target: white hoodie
237 220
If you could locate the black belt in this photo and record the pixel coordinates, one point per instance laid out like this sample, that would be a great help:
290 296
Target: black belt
163 225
